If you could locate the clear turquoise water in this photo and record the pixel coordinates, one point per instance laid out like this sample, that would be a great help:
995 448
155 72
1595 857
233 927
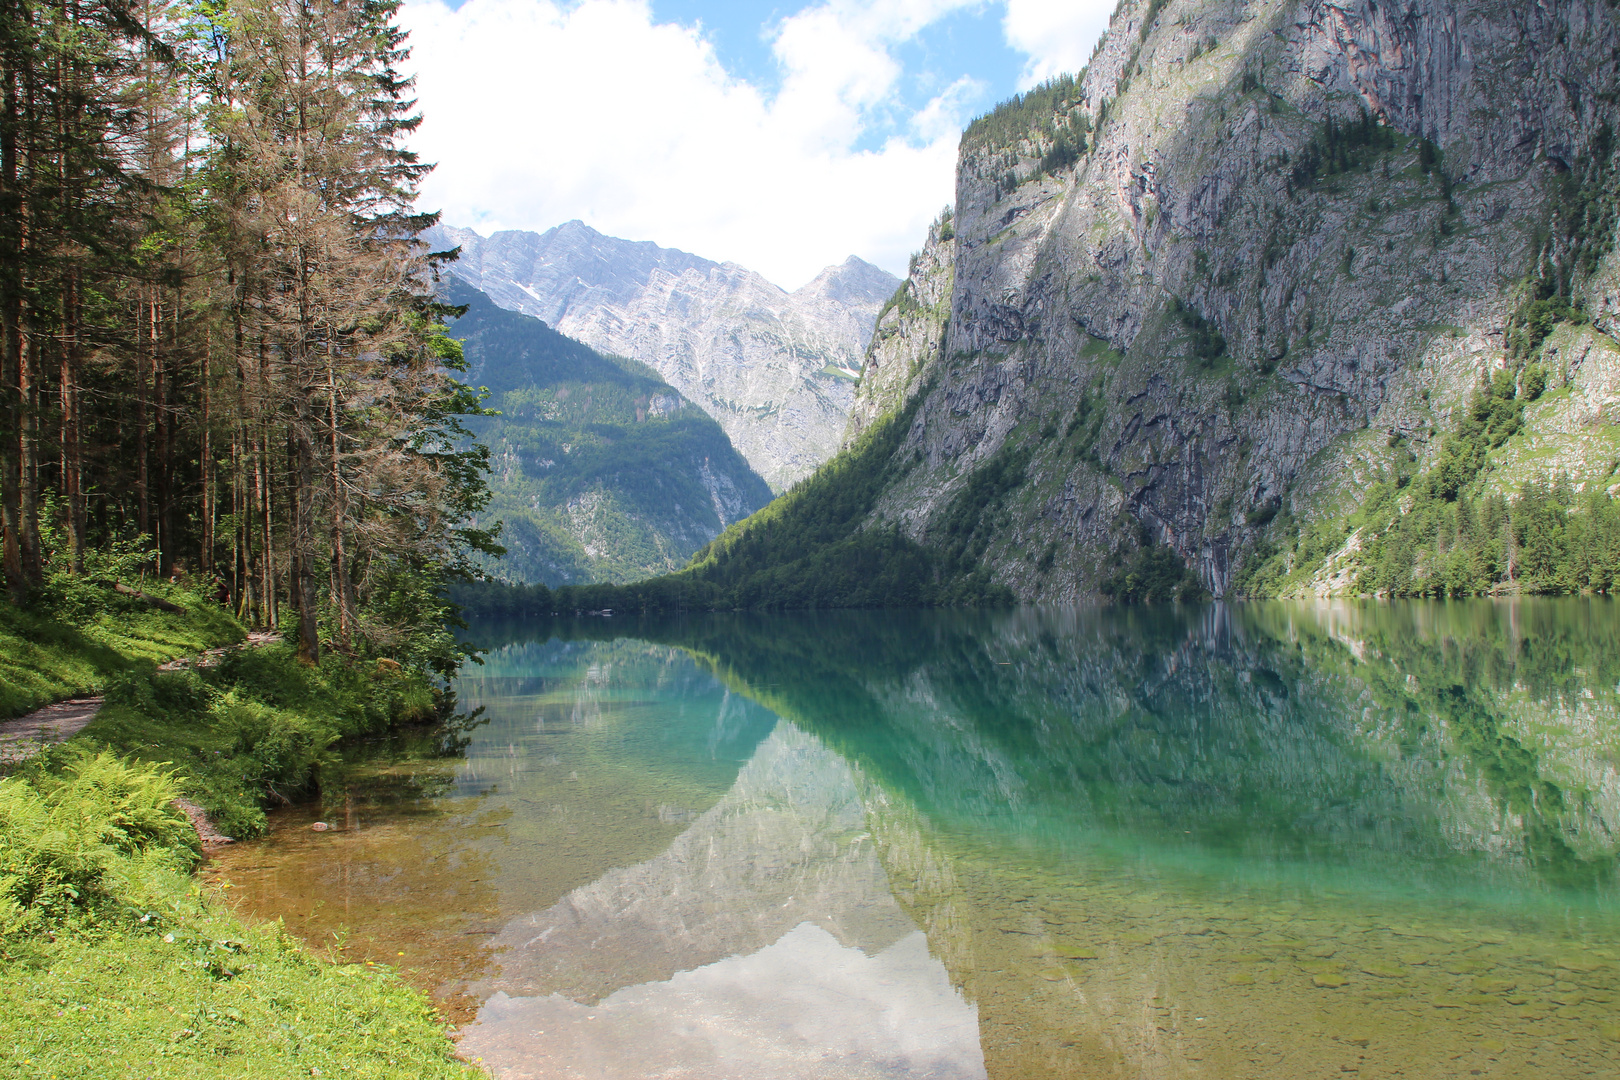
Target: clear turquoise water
1250 840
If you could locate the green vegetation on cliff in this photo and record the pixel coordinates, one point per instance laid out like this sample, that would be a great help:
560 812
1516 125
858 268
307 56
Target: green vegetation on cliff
1439 534
813 547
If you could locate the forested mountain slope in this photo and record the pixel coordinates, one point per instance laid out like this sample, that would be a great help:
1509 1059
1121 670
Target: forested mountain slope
601 471
1295 295
776 369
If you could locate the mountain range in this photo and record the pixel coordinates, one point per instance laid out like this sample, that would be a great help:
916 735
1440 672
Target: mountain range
1274 298
601 471
776 369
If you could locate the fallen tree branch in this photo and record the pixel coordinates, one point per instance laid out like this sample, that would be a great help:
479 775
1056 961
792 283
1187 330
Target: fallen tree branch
156 601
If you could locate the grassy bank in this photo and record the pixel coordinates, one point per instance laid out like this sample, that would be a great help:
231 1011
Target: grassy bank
80 635
115 963
114 960
257 729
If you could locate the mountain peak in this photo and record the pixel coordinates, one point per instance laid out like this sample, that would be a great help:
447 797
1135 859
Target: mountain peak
853 281
774 368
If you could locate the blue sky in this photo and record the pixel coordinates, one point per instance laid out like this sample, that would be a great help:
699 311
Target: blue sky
966 42
782 136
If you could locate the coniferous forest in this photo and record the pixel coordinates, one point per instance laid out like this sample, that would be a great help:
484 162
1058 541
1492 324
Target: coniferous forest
221 354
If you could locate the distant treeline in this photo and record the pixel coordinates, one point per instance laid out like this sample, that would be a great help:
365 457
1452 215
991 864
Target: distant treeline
808 549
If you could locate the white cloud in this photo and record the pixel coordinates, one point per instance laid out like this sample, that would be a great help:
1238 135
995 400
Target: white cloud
1057 35
942 117
538 112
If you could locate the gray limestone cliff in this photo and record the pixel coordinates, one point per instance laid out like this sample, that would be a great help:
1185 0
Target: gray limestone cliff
776 369
1250 262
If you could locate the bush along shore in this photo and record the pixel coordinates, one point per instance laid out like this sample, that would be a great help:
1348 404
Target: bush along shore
114 959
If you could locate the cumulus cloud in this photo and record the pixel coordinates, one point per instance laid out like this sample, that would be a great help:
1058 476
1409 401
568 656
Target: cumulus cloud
538 112
1058 36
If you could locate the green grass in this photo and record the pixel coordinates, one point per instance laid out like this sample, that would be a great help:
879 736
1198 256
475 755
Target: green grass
133 1005
115 963
256 729
71 644
259 728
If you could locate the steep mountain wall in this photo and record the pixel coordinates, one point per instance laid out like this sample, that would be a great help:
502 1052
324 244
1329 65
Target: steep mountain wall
775 369
1252 262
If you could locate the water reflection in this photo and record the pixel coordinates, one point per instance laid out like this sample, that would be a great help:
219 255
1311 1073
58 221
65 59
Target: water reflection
764 942
1265 840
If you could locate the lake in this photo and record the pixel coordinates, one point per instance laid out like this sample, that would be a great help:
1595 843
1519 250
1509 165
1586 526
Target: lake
1245 840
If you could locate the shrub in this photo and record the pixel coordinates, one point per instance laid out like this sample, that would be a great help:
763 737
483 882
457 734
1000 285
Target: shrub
1153 574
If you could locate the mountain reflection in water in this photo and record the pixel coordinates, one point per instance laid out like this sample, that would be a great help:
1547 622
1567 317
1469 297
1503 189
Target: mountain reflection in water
1233 841
765 942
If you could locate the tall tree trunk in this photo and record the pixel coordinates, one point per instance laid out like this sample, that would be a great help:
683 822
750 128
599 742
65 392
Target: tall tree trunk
342 591
148 361
162 520
11 304
33 565
303 530
267 552
27 367
205 561
72 451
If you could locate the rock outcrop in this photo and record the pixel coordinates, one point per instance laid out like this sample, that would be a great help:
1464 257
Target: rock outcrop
777 370
1256 253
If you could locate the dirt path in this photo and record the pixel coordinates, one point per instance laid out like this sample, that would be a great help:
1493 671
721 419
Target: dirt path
211 657
23 737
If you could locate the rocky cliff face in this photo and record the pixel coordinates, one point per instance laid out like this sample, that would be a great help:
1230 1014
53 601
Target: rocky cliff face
1249 263
776 369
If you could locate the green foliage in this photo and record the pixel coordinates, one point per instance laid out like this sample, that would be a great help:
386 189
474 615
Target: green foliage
1580 231
1548 540
1153 574
1495 415
586 441
1032 113
1436 535
1152 16
258 728
1532 382
1206 343
49 652
962 533
1535 321
1085 427
83 835
1066 149
1342 148
1048 115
